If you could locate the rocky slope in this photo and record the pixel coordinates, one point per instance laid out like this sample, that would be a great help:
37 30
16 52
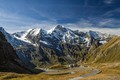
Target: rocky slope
22 47
9 60
58 45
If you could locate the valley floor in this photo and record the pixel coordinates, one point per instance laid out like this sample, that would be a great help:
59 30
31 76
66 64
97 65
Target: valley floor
109 71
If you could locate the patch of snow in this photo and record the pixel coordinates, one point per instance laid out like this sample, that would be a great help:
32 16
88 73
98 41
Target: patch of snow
87 41
44 42
23 39
50 31
35 31
24 35
102 42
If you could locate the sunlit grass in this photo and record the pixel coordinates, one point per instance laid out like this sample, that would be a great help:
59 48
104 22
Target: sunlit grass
58 66
110 71
40 76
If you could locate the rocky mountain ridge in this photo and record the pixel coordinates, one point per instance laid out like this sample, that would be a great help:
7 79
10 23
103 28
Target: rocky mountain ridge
9 60
37 47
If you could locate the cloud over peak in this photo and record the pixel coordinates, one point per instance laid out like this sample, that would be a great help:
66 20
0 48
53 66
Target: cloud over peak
108 1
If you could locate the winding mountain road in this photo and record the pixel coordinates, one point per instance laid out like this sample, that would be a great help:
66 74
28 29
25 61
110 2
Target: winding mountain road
54 72
94 72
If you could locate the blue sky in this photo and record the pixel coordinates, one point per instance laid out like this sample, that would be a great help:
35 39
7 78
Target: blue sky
17 15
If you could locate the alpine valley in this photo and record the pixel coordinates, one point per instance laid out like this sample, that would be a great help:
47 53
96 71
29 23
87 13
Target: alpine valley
58 51
59 39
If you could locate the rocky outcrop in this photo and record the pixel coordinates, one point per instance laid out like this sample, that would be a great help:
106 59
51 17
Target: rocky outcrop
9 60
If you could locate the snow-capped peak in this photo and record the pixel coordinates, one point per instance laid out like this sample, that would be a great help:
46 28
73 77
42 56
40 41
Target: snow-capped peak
12 39
50 31
34 31
60 34
57 28
24 35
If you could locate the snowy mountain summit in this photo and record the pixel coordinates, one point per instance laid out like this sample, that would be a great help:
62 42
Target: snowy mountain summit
59 34
59 44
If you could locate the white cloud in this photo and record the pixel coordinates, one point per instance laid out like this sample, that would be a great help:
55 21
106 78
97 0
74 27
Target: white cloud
47 26
86 25
13 22
108 1
111 12
103 30
42 25
82 23
105 22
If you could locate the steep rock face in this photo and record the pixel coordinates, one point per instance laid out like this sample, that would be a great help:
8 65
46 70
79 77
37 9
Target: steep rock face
12 40
74 53
9 60
23 47
108 52
45 56
6 50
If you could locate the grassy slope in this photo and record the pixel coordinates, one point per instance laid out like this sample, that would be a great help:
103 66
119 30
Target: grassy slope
107 59
109 52
110 71
41 76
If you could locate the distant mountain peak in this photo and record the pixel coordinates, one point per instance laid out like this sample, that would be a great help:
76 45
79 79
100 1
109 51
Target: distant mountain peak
1 28
60 34
35 31
60 41
59 27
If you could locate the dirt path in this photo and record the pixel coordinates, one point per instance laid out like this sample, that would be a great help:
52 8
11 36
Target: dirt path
73 70
63 71
94 72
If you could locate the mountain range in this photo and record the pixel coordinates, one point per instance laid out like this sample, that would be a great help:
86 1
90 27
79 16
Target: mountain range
59 45
38 48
